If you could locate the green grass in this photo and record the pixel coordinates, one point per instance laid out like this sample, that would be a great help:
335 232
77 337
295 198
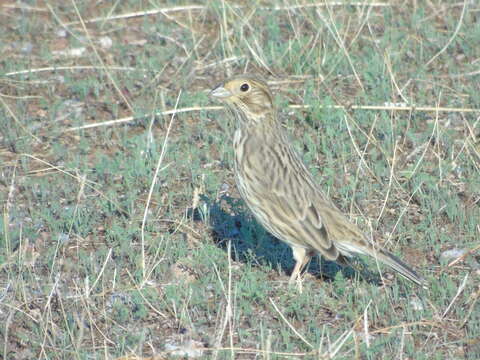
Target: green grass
82 278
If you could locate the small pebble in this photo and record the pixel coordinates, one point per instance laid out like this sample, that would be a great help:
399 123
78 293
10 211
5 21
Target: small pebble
26 48
105 42
61 33
63 238
452 254
74 52
189 349
416 304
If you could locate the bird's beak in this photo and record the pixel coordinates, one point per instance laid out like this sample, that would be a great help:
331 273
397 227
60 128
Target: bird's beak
220 92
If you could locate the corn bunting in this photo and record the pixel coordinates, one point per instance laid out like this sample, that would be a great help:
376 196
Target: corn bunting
281 192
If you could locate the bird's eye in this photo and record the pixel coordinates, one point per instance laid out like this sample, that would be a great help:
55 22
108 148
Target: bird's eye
244 87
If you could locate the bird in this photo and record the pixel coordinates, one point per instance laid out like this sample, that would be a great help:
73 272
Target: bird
282 193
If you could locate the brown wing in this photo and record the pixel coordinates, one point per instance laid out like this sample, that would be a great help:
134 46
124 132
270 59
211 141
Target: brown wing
298 202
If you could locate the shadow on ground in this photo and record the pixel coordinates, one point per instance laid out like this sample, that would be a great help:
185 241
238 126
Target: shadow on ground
231 221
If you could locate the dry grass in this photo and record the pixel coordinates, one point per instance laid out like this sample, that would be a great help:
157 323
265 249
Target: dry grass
123 234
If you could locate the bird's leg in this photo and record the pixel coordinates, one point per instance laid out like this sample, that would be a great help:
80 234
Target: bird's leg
301 256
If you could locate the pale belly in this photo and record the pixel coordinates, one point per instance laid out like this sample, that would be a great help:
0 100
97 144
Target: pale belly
256 187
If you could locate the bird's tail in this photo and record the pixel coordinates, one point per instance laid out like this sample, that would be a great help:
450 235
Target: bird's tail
385 257
399 266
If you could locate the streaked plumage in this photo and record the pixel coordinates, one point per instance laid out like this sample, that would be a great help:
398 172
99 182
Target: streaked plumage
279 189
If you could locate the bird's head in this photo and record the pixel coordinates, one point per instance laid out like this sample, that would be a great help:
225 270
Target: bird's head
248 97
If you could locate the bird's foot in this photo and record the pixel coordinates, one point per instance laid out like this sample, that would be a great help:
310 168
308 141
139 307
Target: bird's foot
297 280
